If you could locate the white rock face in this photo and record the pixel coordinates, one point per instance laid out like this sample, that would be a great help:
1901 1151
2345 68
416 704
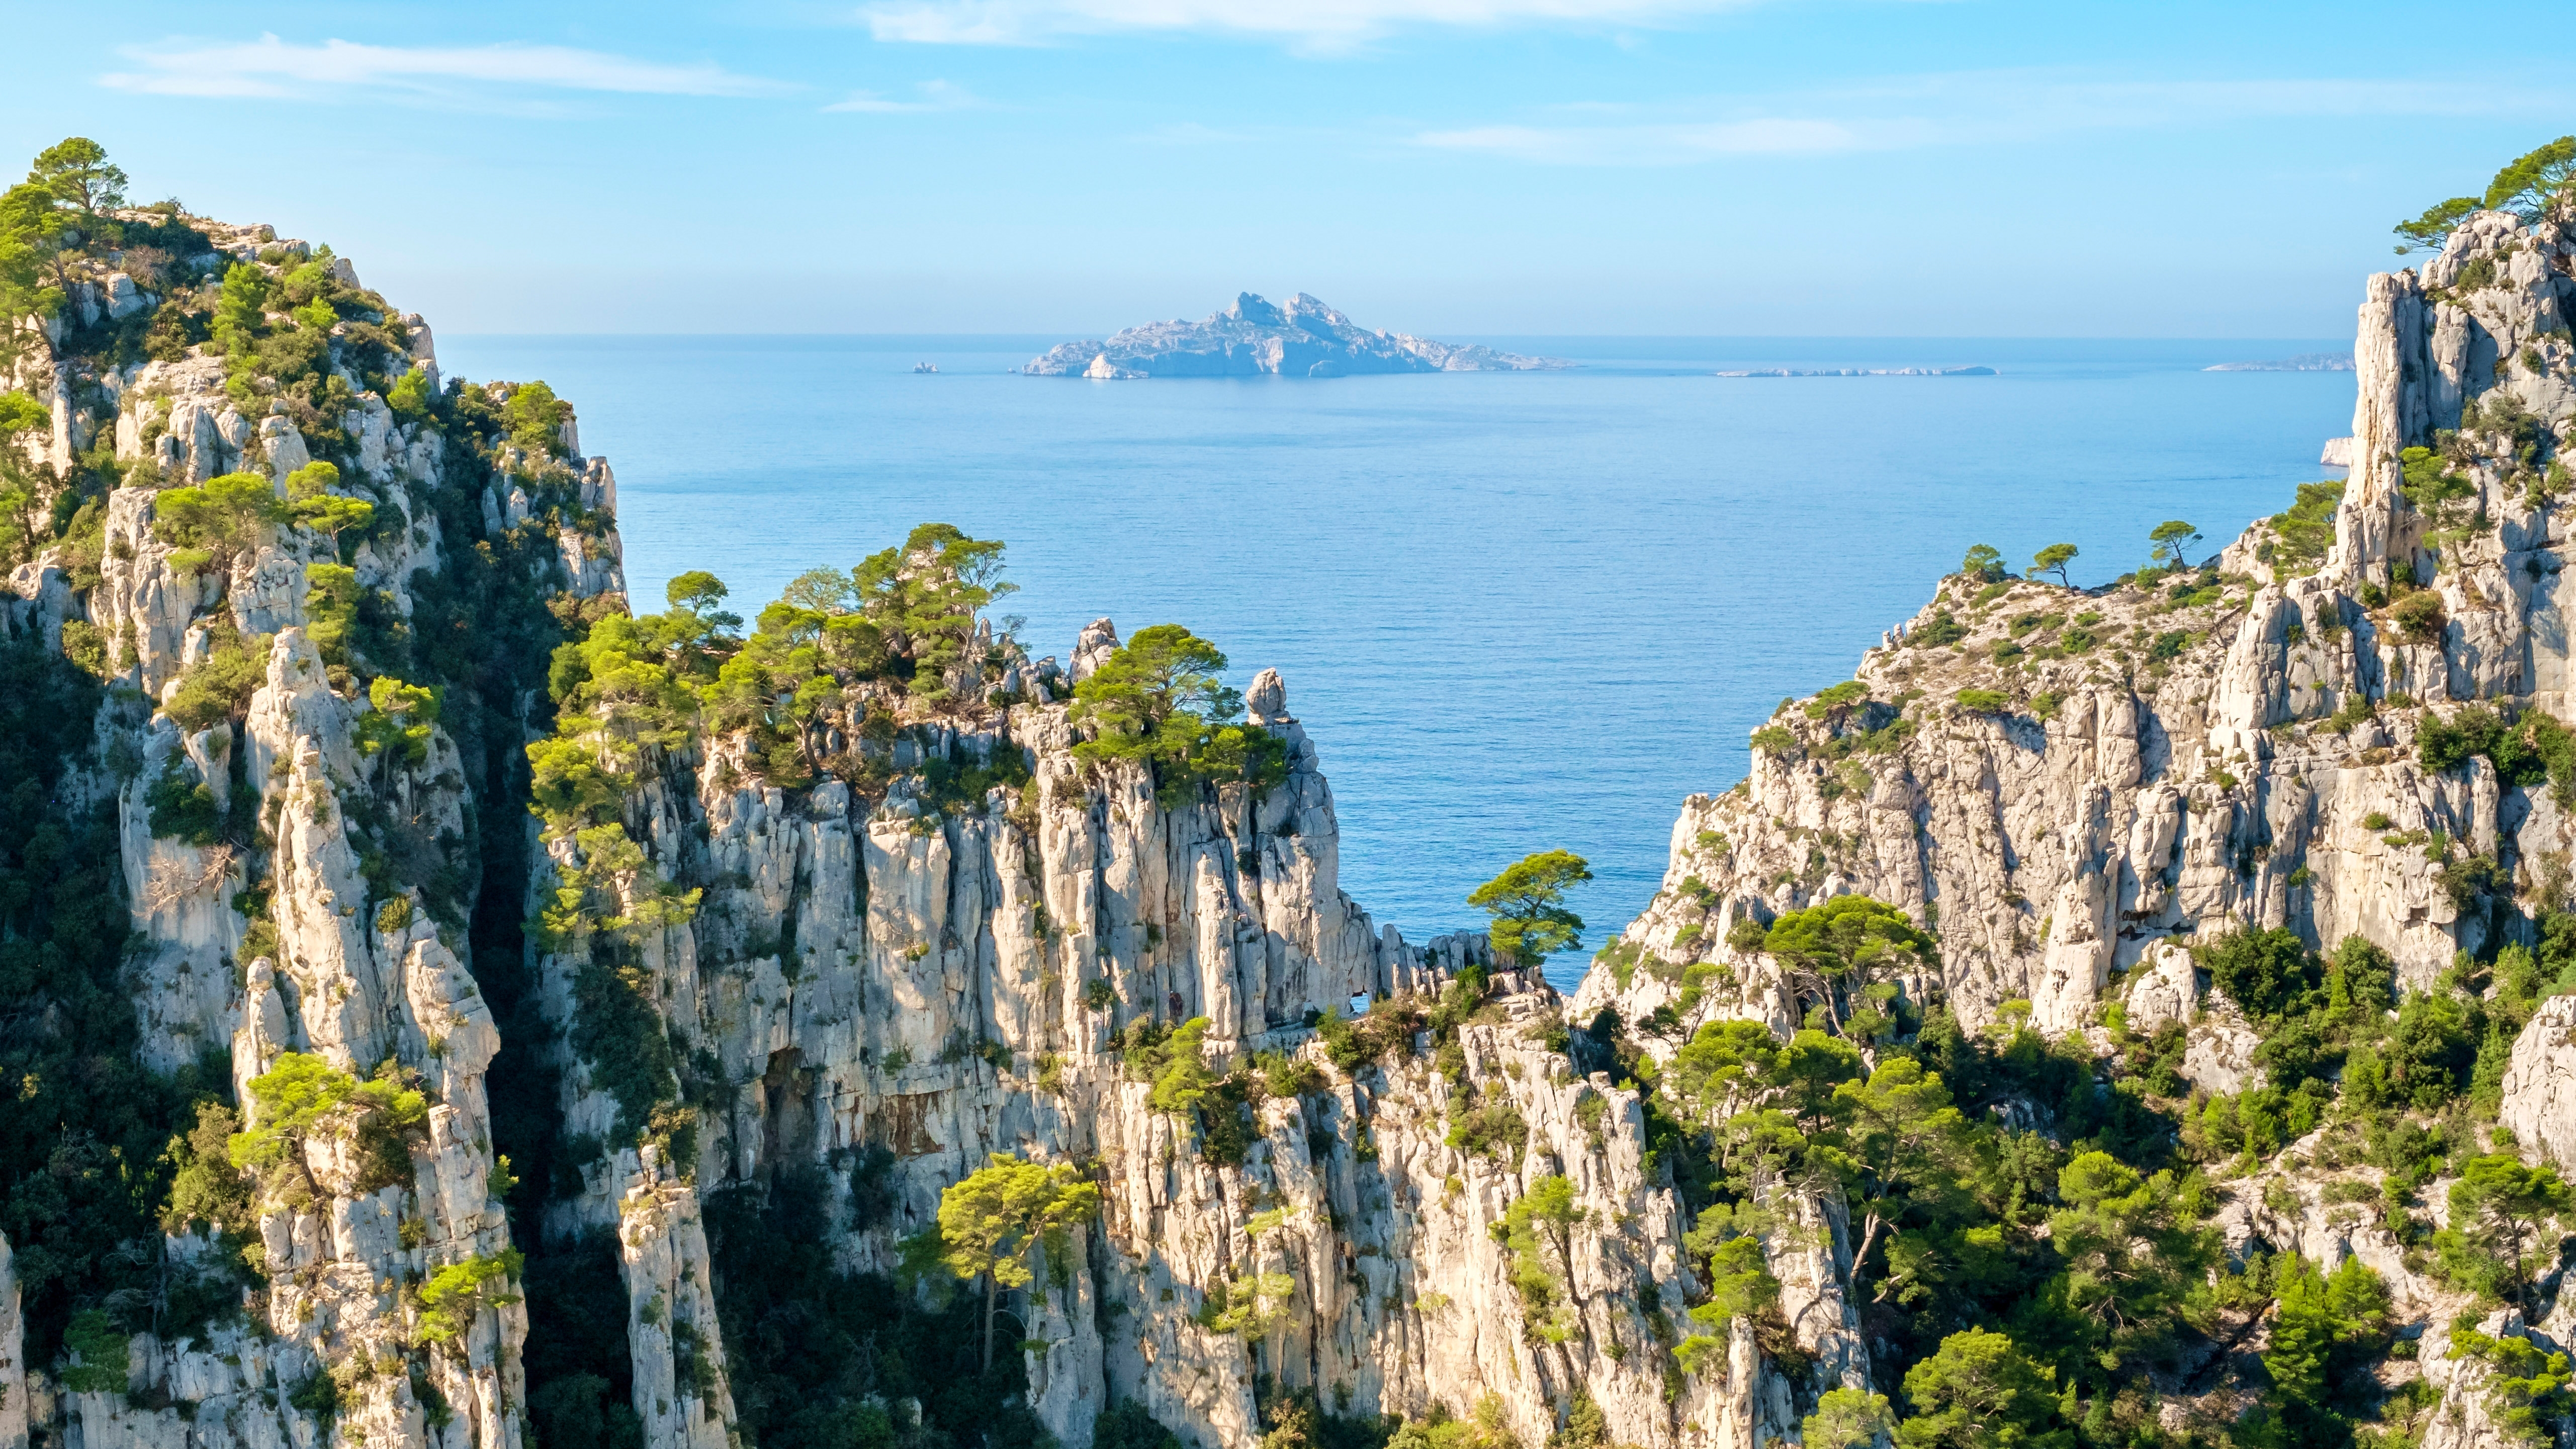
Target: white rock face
2540 1083
2165 988
2175 769
13 1356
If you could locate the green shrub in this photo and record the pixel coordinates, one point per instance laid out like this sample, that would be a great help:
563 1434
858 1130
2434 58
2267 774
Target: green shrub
219 687
104 1358
2419 617
1158 701
1983 701
182 806
2306 529
1774 740
458 1291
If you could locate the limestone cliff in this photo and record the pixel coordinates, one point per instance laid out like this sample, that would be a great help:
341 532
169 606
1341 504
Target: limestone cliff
318 686
790 944
2072 787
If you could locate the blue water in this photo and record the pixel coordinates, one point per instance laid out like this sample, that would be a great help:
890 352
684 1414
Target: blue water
1515 611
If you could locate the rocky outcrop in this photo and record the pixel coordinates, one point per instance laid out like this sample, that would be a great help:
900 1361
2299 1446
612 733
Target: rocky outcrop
316 904
2229 748
1302 337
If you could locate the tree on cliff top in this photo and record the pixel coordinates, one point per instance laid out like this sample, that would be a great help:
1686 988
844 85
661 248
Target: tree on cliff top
1527 902
77 170
925 596
2531 186
2170 538
2053 558
1158 701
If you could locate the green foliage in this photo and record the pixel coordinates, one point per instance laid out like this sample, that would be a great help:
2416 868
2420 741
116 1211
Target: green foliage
2419 617
85 1130
331 609
1184 1080
1535 1229
1984 563
1981 1392
77 171
1353 1045
104 1359
813 1354
2533 186
1526 904
219 687
1984 701
206 1190
2169 539
1774 740
457 1292
2528 1387
400 724
2267 973
989 1222
182 806
2306 528
535 418
2326 1336
1157 701
1847 1419
304 1094
313 505
2054 559
2429 231
1127 1425
2536 185
225 514
2501 1211
925 595
2524 750
1843 955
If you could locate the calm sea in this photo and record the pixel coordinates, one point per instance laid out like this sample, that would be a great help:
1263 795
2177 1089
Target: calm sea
1515 611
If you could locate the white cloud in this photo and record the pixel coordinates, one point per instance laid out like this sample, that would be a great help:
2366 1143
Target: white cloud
937 95
272 68
2003 106
1321 24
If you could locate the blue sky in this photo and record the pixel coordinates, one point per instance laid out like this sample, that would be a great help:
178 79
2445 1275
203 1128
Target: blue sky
1973 168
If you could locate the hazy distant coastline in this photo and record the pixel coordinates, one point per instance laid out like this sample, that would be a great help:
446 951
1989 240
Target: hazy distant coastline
2304 362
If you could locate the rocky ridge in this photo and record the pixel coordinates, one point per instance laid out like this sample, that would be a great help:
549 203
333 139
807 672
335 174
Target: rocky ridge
2072 787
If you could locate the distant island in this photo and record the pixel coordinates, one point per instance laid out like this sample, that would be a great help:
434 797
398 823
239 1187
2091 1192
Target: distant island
1862 372
1305 337
2304 362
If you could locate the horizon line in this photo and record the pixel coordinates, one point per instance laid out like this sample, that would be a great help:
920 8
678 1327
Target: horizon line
1568 336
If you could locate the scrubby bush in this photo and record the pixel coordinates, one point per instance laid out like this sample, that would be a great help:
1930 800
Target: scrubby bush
2419 617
